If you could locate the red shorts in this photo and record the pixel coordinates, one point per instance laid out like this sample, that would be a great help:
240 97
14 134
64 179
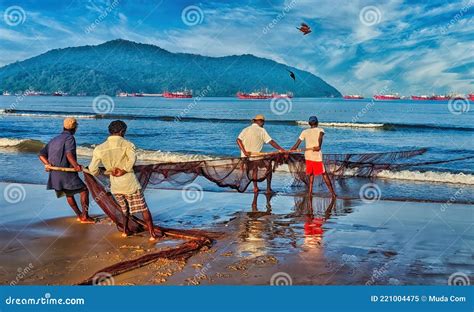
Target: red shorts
314 167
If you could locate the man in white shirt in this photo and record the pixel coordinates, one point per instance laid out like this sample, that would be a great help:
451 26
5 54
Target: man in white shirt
313 138
118 156
250 142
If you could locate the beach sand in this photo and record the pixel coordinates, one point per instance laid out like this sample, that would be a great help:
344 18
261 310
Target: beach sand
352 243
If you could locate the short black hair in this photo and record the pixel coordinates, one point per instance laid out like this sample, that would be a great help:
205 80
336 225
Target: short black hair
117 126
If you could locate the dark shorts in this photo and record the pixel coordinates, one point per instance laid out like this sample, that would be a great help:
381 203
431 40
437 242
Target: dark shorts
62 193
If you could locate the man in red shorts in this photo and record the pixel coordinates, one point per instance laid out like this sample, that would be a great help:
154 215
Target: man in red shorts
313 138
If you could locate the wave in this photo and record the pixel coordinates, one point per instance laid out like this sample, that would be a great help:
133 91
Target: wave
428 176
34 146
153 156
344 124
178 118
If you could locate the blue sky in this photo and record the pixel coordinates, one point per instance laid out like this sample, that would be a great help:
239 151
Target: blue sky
409 47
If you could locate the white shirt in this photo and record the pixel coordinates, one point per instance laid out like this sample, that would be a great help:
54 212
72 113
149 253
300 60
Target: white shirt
253 137
311 138
117 152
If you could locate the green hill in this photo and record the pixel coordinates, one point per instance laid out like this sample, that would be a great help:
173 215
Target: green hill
121 65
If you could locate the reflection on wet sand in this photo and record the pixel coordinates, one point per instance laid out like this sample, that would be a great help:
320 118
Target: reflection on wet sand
263 232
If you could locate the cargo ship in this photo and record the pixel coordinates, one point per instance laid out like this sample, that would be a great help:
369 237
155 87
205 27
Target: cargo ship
185 94
353 97
421 97
125 94
383 97
59 93
263 95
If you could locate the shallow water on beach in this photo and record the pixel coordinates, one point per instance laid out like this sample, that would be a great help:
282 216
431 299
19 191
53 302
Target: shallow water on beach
318 242
187 129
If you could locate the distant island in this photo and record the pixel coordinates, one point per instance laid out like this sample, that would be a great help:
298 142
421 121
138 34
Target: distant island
125 66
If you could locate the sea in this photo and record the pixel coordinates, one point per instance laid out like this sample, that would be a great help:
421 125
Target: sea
176 130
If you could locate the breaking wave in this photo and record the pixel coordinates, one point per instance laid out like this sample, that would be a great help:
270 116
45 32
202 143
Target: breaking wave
354 125
148 156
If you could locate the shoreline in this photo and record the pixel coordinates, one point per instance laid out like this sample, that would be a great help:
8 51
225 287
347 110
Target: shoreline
450 200
349 245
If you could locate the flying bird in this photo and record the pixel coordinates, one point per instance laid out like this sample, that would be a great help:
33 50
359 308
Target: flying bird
292 75
304 28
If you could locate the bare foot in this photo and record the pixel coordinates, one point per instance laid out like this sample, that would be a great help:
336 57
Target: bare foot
125 235
87 220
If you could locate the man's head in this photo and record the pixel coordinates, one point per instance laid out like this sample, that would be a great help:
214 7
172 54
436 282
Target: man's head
313 121
117 127
70 124
259 120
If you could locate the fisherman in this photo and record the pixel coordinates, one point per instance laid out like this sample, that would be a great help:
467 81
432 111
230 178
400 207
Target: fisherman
250 142
313 138
118 156
61 152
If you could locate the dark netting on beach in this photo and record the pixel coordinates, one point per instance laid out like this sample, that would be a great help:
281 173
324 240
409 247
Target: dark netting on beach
234 173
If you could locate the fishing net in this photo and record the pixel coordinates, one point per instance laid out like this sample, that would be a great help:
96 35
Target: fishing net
234 173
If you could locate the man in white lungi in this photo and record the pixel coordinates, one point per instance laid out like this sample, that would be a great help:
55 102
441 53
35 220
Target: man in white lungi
251 141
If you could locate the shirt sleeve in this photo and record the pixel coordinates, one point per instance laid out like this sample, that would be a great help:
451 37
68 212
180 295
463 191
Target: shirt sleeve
242 134
94 165
70 144
44 151
130 151
302 136
266 137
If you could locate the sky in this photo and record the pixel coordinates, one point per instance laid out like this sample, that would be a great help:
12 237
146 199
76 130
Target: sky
359 47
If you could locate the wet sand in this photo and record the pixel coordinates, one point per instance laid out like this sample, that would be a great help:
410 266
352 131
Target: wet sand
284 239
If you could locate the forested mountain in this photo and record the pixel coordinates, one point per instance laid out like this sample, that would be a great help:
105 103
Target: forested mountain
121 65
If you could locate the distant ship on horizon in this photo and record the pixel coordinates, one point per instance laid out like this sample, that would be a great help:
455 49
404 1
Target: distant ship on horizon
384 97
185 94
263 95
353 97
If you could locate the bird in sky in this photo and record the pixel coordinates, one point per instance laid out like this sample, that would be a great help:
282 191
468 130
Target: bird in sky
304 28
292 74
